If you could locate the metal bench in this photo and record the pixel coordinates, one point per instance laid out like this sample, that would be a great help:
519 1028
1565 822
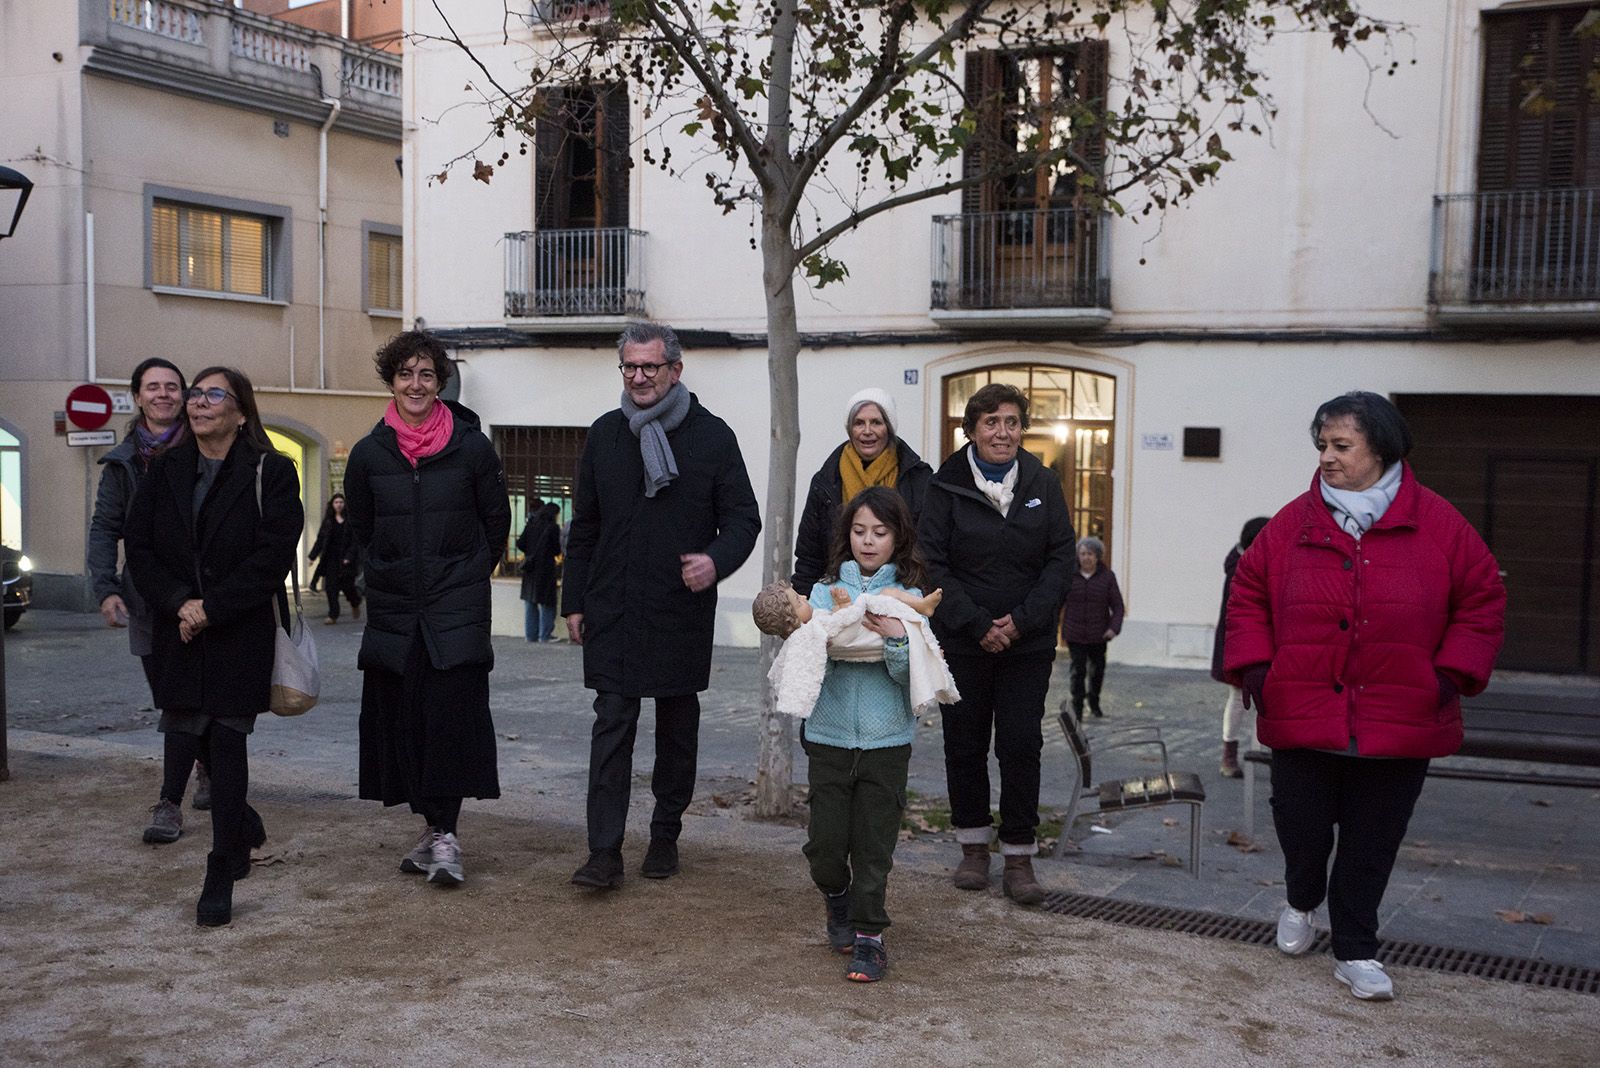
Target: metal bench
1512 727
1124 795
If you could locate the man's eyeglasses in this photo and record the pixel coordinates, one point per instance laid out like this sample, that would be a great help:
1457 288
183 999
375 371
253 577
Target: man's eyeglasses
649 370
214 395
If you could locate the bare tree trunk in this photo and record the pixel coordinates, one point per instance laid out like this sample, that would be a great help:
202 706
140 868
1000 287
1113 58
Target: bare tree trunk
775 761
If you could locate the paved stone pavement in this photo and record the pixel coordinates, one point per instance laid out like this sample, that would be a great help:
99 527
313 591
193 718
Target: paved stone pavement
1474 849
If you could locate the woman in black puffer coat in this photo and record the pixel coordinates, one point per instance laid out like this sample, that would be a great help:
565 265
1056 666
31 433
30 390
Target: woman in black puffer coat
427 505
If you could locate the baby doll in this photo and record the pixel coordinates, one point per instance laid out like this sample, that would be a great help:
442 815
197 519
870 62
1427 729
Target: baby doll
780 611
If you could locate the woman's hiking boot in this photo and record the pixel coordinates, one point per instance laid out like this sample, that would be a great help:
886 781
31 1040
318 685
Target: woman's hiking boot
1019 883
973 871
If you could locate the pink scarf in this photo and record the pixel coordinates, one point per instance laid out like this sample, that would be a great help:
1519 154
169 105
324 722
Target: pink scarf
425 440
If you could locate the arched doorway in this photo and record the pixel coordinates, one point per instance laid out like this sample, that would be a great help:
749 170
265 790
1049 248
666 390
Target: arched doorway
1072 429
295 450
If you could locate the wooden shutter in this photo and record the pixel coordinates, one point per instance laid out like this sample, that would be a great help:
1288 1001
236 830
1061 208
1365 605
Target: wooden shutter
1539 124
550 193
615 156
1092 82
983 92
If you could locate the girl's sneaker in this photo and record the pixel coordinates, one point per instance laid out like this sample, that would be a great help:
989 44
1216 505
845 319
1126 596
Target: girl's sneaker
445 867
420 856
840 935
871 960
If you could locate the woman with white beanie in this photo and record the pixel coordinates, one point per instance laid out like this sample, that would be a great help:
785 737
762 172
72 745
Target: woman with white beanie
871 455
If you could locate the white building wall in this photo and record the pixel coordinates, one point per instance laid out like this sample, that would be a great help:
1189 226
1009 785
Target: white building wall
1322 226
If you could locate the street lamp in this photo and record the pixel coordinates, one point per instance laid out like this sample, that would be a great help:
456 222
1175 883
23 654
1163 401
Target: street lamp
14 190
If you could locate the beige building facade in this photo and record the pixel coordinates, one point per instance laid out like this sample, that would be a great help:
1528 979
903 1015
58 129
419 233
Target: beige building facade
213 187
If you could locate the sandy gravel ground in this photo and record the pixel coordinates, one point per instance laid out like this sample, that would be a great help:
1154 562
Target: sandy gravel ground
335 958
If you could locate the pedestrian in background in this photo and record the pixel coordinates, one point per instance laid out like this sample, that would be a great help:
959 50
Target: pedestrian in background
1361 614
210 540
1237 723
540 544
158 394
1090 618
336 549
428 508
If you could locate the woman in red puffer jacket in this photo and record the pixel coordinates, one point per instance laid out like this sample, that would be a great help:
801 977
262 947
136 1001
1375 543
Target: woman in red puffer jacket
1357 619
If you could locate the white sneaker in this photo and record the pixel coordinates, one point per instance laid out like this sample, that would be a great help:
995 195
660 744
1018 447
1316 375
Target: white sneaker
1365 978
1295 933
445 862
420 856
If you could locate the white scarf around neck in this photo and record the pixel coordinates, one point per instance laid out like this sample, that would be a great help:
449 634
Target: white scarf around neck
999 493
1357 510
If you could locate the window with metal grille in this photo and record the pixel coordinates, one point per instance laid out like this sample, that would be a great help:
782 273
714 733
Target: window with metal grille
385 263
220 251
541 464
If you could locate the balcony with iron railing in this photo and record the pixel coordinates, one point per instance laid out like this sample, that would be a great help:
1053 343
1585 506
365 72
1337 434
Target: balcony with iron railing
1521 257
583 276
1044 268
212 49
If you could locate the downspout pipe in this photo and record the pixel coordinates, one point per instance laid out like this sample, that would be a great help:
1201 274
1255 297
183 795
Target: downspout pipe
322 240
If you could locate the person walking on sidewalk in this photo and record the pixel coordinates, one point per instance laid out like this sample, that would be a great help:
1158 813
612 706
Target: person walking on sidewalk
210 540
337 551
663 511
430 516
540 543
997 538
858 737
1363 612
1091 617
1237 723
158 394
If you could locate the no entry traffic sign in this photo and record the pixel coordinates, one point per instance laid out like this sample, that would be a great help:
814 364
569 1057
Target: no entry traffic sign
88 407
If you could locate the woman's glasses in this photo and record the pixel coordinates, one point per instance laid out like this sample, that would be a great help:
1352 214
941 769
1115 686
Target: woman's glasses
214 395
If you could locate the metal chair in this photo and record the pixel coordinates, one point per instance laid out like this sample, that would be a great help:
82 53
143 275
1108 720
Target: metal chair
1125 795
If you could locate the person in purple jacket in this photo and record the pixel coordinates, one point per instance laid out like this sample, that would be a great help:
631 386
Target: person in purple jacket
1091 617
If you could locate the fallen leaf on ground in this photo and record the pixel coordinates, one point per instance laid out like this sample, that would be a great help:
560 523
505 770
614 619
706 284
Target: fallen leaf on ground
1169 823
1242 842
1510 915
1541 802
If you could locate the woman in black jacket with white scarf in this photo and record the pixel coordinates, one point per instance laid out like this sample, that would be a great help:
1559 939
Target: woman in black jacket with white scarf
211 536
997 538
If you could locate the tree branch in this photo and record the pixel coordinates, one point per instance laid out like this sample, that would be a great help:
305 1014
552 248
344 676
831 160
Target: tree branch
708 81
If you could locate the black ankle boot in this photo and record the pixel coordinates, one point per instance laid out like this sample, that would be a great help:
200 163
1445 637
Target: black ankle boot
215 908
253 835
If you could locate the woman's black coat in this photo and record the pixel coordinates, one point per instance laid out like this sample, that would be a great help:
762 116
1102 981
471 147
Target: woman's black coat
991 565
429 537
644 633
233 558
540 544
814 541
1229 566
335 550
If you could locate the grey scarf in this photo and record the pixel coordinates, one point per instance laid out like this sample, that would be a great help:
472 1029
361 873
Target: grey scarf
651 426
1357 510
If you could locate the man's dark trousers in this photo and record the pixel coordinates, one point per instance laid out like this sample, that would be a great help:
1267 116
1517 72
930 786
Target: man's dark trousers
616 723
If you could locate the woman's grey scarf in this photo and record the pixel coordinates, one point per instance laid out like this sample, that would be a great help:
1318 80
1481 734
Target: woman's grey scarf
651 426
1357 510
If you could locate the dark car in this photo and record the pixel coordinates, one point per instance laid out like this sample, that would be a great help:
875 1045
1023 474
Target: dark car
16 569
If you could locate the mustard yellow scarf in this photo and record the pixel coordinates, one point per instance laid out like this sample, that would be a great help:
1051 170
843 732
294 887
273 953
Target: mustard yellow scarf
883 471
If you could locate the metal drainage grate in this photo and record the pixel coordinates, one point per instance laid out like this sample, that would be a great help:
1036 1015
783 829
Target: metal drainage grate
1568 977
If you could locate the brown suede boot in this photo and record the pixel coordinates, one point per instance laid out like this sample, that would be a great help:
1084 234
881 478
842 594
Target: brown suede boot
1230 761
973 871
1018 881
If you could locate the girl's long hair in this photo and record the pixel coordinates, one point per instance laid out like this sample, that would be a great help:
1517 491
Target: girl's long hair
327 513
891 510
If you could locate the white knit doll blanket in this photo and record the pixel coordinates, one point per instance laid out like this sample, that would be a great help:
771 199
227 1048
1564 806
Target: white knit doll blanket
796 674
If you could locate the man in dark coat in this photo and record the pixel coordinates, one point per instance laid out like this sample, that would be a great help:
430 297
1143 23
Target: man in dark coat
664 510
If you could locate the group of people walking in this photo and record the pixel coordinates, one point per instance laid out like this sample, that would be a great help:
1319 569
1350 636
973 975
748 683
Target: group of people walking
1354 621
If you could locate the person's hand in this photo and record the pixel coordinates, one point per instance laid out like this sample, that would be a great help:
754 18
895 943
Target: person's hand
884 626
1253 681
575 628
114 611
1109 634
1009 627
699 573
1448 690
996 641
193 612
